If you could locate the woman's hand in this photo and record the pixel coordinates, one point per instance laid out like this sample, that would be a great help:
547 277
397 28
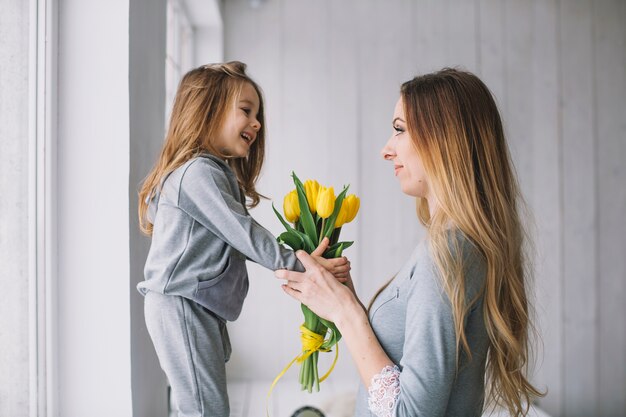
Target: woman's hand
339 267
318 289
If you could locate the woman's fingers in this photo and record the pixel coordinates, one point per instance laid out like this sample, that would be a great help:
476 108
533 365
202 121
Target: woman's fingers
321 248
291 276
307 260
291 292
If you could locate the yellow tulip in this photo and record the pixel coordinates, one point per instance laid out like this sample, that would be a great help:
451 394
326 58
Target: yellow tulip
354 203
342 215
325 202
291 207
311 189
348 211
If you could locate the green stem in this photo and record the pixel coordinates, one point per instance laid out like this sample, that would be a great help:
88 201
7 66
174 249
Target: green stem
309 382
322 234
305 366
316 378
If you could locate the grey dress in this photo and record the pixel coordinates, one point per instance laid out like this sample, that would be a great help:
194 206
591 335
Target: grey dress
412 319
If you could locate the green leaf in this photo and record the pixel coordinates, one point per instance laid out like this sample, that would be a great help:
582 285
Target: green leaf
292 239
308 243
330 222
334 236
339 251
310 318
335 334
283 221
331 252
306 218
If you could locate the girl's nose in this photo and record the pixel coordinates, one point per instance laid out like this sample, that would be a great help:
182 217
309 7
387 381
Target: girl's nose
256 125
388 152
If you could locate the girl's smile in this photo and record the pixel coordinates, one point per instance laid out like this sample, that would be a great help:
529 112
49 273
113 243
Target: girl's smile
240 127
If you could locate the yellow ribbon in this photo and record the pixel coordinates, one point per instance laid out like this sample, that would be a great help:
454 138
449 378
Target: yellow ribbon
311 342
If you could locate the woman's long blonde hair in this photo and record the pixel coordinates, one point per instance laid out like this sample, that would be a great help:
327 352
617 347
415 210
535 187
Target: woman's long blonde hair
204 96
456 129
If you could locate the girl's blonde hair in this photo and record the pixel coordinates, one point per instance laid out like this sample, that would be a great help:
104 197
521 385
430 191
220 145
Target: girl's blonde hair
204 96
457 132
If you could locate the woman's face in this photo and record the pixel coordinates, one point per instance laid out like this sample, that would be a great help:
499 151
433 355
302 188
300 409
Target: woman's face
400 150
238 133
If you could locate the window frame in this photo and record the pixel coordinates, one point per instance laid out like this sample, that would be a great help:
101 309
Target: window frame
42 137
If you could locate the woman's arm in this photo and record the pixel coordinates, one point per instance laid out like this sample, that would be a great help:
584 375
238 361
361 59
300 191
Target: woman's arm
420 384
323 294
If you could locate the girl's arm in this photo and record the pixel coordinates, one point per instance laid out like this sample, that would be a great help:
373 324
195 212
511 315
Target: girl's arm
212 198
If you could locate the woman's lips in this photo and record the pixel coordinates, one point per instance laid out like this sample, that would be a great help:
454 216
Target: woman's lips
397 168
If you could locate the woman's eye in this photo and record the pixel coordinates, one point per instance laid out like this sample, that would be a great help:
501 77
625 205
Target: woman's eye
398 130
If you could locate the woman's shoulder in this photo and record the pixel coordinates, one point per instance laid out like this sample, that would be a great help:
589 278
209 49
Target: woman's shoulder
463 250
473 263
458 244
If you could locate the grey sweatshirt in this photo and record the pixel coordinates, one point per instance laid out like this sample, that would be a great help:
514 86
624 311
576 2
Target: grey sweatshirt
203 235
412 319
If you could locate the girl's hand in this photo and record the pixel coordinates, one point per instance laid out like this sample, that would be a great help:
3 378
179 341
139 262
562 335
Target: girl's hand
318 289
339 267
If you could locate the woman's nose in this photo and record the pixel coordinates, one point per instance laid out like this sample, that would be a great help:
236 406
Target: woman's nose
387 152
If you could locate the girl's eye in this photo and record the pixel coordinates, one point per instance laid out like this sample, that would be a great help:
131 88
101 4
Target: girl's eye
398 130
246 110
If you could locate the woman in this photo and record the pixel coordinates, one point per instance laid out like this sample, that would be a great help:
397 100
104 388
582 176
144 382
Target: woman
450 331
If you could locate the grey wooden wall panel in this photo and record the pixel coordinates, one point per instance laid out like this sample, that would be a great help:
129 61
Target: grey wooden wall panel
580 362
254 36
547 201
306 88
429 24
517 112
331 72
491 48
344 128
384 62
610 129
461 34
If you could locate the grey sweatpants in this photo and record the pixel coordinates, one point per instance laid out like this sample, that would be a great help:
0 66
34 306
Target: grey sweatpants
193 346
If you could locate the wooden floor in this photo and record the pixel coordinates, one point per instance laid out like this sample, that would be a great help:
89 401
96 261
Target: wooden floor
249 398
335 399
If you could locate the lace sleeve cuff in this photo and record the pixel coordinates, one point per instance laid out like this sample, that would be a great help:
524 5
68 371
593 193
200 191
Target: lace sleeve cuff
384 391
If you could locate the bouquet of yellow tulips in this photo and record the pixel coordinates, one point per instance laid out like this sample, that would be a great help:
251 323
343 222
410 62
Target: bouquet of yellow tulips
312 212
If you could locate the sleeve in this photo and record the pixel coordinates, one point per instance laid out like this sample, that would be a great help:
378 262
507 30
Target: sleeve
428 364
384 391
207 196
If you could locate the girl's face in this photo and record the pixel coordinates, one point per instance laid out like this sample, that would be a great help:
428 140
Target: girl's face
407 164
238 133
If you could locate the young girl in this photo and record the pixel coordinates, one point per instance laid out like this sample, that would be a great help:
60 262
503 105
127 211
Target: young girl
193 203
451 331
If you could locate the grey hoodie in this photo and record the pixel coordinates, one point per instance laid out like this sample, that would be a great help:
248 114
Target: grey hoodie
203 235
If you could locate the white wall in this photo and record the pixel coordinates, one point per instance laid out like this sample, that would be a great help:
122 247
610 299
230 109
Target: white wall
94 368
15 217
331 72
